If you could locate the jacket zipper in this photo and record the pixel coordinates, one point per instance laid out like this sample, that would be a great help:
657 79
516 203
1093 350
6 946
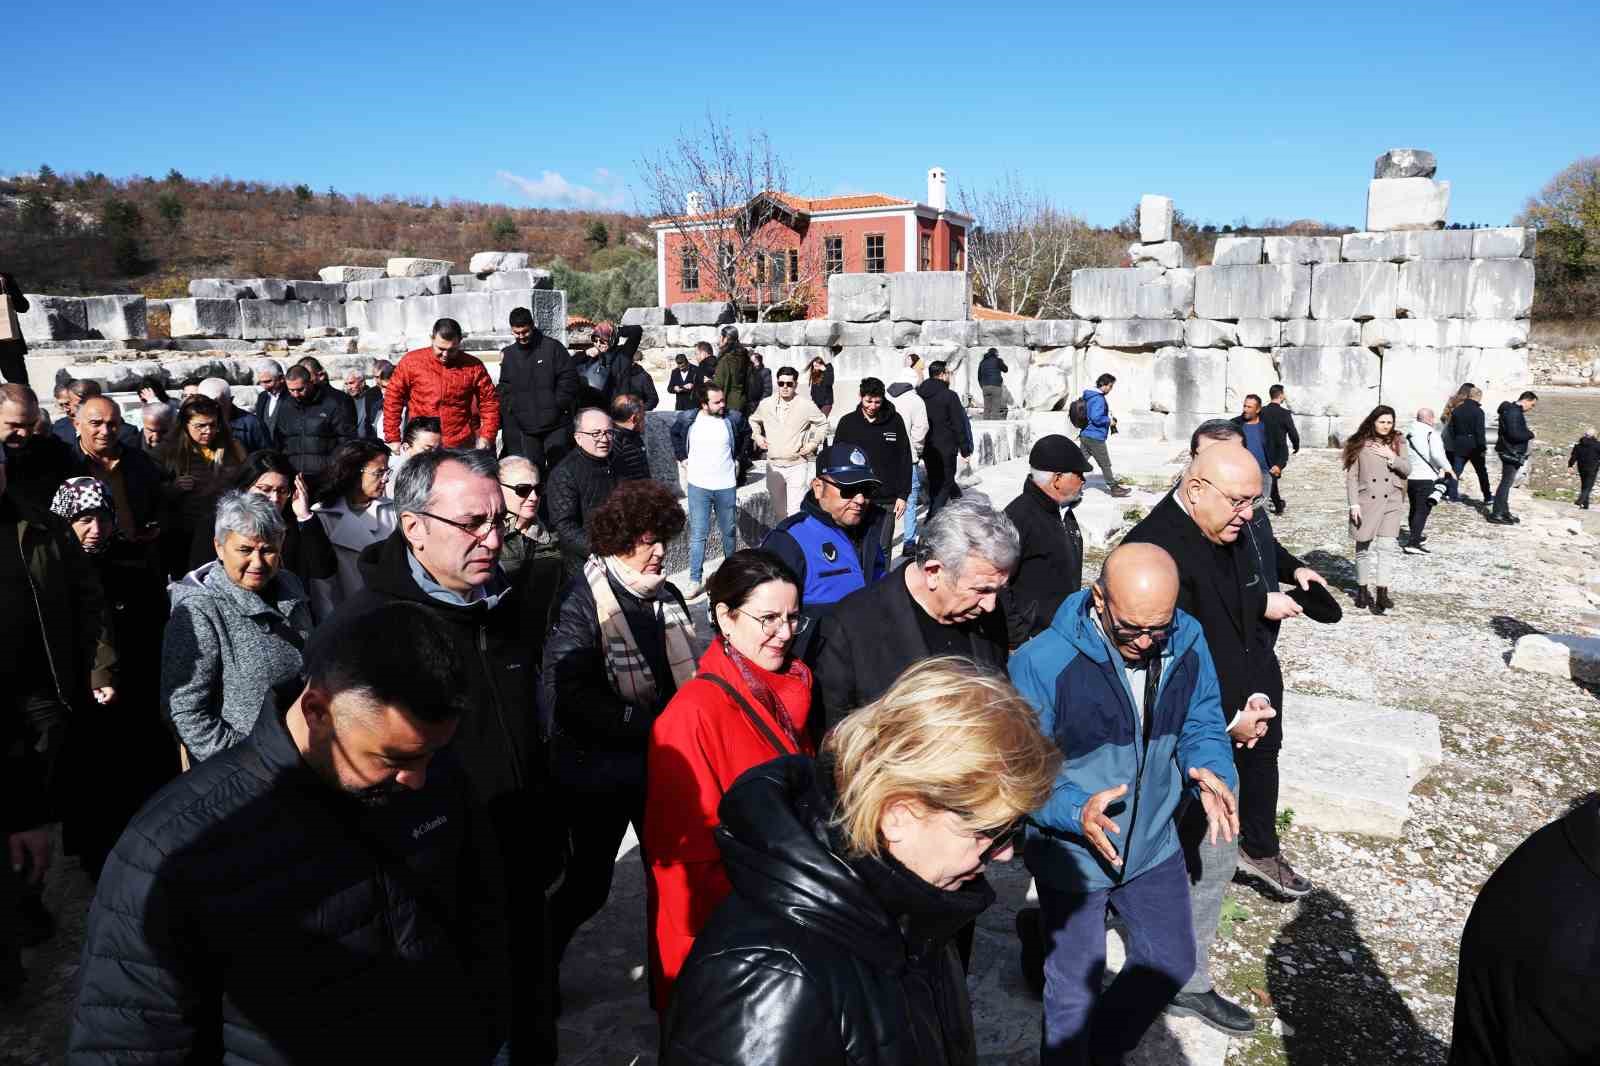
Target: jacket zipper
44 632
494 697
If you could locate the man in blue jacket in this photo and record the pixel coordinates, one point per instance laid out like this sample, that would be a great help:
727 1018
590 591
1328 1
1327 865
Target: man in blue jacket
1124 683
1100 425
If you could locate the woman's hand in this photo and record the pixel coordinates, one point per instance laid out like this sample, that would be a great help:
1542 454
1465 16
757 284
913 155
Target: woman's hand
301 500
1355 516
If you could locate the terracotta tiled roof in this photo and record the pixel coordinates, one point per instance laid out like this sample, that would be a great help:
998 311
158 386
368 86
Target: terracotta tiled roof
807 206
991 315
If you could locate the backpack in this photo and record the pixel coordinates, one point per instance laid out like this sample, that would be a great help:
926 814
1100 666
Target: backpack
1078 413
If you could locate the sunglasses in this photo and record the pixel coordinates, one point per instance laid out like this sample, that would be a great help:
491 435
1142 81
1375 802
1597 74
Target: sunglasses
1000 838
849 492
523 490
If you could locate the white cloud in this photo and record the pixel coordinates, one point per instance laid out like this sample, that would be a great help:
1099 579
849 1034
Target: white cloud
550 189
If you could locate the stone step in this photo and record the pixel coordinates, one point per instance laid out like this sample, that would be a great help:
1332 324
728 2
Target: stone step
1558 654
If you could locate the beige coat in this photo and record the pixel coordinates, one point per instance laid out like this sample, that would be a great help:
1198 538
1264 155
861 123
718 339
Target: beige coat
1376 483
794 431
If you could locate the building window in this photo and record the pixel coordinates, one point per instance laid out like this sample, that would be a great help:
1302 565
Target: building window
761 269
875 256
925 253
833 255
777 267
956 262
794 264
689 272
725 258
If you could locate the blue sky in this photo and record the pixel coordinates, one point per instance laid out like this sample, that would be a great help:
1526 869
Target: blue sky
1235 110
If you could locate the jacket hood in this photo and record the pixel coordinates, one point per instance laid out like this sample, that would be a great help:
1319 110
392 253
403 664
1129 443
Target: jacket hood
1075 623
932 387
210 580
783 857
898 388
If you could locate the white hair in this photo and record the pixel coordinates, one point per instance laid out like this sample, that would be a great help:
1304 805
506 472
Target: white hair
965 528
1424 413
218 389
268 366
1041 477
516 462
249 514
162 411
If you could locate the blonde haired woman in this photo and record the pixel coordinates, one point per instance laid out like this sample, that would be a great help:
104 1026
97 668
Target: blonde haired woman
851 875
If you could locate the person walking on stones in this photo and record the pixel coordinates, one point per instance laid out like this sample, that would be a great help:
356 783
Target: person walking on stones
13 349
791 430
903 393
681 383
1282 435
1585 456
442 380
1429 479
819 378
1050 559
1123 680
629 461
1466 439
1512 439
538 386
310 422
579 484
1098 427
708 443
991 369
1376 466
877 429
948 435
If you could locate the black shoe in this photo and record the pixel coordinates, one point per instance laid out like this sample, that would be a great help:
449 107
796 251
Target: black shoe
1225 1016
1274 876
1513 519
1498 520
1032 937
1362 599
1384 599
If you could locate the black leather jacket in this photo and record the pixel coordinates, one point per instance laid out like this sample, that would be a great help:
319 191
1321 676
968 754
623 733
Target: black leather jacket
816 958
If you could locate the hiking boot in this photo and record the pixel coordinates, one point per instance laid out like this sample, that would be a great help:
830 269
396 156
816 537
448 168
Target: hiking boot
1223 1015
1273 876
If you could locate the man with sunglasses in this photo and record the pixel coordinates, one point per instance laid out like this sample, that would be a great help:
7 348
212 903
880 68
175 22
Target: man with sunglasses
1123 682
791 430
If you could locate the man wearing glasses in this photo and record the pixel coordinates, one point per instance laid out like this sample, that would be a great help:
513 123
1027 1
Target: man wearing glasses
580 483
791 430
1123 682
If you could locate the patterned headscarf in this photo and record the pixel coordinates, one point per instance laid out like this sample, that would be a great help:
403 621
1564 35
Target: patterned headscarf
79 496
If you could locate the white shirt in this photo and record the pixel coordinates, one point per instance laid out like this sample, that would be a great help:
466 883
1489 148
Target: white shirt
711 464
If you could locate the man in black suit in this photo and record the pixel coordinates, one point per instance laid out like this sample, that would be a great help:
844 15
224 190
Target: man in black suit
369 405
1281 433
269 383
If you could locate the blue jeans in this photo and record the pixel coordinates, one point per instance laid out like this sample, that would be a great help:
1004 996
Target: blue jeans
909 523
1078 1017
701 504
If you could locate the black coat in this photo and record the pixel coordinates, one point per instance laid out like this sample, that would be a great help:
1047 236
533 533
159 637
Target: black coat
578 485
1529 974
629 461
619 363
13 351
253 913
1281 434
369 414
1585 454
307 431
639 382
35 470
682 385
817 958
947 420
991 370
1514 436
538 387
1230 613
822 389
264 397
140 475
1050 566
871 637
1468 432
887 445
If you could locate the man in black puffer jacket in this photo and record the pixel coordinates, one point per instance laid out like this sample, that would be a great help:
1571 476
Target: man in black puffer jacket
329 883
948 435
1511 445
311 421
538 386
580 483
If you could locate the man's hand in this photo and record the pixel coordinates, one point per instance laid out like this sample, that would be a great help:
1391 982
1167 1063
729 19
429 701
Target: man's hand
1304 576
761 441
1280 606
1095 823
1222 810
1275 471
30 851
1252 723
104 694
899 508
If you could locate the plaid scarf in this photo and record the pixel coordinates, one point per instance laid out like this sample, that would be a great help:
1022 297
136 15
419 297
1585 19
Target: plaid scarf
626 667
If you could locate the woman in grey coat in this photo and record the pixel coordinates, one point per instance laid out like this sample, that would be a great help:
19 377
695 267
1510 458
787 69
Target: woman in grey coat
1375 469
238 626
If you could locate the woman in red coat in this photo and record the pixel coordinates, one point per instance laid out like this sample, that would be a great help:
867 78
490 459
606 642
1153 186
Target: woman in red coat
748 704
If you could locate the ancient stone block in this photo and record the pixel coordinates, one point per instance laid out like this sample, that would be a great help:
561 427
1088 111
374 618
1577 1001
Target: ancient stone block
1434 288
1444 333
854 334
1500 288
489 262
703 313
548 306
1250 370
1374 247
518 279
222 289
398 288
1353 290
1439 244
343 274
1057 332
1237 251
905 334
115 318
473 310
1407 203
1508 242
1235 292
305 291
1301 249
272 288
792 334
924 296
1155 218
646 316
858 297
1321 333
468 283
1100 293
961 333
1164 253
1139 333
1048 387
410 267
1330 381
54 318
998 332
1188 379
855 362
1204 333
1180 292
1260 332
1135 374
1405 163
272 319
205 318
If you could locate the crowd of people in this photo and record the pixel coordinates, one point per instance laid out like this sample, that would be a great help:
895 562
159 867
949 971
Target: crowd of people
347 702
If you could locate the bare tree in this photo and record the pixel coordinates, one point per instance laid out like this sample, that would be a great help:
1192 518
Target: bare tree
1023 248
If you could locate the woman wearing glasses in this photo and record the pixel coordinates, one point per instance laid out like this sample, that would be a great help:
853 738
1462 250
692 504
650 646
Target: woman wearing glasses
621 646
749 702
851 874
355 511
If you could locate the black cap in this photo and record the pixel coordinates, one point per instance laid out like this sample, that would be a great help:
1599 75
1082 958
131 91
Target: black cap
1318 604
1058 455
846 464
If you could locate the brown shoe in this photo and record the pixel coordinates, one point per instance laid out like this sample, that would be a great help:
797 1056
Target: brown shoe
1274 876
1384 599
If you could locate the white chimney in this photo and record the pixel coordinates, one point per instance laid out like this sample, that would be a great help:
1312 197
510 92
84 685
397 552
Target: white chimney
936 191
694 204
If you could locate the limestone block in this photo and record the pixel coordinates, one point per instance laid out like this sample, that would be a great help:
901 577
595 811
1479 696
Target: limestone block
1418 377
1237 251
858 297
1322 333
1249 370
1407 203
305 291
468 283
1056 332
272 288
1301 249
1099 292
272 319
54 318
653 337
1330 381
1155 218
1508 242
115 318
823 332
398 288
1188 379
644 316
205 318
1165 254
1434 288
519 279
1204 333
941 295
1353 291
1277 291
854 334
1558 654
1135 374
410 267
865 361
1500 288
222 289
1139 333
703 313
489 262
1374 247
791 334
343 274
905 334
693 335
962 334
473 310
1180 292
1048 387
419 313
998 332
1444 333
758 333
548 306
378 318
1439 244
1260 332
1405 163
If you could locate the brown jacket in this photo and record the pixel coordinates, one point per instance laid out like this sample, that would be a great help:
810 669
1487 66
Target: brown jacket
1376 483
798 433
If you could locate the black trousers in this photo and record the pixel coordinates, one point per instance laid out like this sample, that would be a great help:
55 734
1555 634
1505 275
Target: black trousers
941 484
1586 484
13 366
1258 799
1420 494
596 824
1459 463
544 450
1277 500
1502 494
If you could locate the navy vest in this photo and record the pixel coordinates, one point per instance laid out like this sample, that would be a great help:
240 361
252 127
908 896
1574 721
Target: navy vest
832 569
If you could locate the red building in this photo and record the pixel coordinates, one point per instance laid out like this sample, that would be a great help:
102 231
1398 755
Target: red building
780 248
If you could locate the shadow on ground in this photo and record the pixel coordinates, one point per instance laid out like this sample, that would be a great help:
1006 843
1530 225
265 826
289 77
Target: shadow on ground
1339 570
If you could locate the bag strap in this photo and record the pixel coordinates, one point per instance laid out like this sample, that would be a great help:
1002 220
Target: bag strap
750 713
1424 458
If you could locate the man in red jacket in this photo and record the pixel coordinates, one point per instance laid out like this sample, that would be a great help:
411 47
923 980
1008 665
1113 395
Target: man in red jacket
443 381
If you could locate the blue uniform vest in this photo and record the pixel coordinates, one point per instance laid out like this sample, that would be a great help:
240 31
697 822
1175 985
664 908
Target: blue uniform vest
828 580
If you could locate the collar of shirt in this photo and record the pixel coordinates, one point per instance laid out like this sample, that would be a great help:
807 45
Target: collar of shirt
435 591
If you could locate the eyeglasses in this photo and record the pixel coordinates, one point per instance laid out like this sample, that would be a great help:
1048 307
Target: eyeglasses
595 434
476 528
771 623
1239 505
1123 633
523 490
1000 838
786 384
849 492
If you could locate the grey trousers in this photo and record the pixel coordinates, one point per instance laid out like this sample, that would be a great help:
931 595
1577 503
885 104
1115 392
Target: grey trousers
1101 456
994 401
1211 867
1375 561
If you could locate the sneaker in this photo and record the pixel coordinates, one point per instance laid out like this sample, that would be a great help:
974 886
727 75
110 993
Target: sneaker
1119 490
1273 876
1223 1015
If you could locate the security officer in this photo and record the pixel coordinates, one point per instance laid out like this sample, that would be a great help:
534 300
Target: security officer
1050 567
